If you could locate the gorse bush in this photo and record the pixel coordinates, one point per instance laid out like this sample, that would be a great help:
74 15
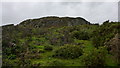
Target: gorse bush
12 56
81 35
56 63
8 62
68 51
104 33
95 57
48 48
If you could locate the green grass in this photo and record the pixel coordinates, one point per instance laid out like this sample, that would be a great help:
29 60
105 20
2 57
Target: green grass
68 62
46 57
110 61
40 47
86 44
0 56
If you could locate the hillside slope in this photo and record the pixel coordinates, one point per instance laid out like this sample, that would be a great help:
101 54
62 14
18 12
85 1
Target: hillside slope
60 41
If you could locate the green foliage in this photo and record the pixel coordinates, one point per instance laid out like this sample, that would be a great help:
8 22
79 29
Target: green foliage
38 64
12 56
110 61
8 62
95 58
25 62
81 35
68 51
56 63
50 38
48 48
104 33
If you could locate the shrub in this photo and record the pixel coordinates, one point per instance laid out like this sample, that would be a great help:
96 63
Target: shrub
56 63
95 57
10 63
48 47
36 64
12 56
26 62
68 51
81 35
104 33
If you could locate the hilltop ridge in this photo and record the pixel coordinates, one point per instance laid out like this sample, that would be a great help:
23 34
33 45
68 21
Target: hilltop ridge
54 21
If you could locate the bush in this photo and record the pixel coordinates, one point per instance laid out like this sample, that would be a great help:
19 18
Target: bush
95 57
36 64
68 51
56 63
12 56
48 47
104 33
11 63
81 35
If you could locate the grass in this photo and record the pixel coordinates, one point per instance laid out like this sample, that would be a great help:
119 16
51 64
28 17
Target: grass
68 62
110 61
47 58
86 44
0 56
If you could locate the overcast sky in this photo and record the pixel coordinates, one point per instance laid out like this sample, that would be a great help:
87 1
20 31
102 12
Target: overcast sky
94 12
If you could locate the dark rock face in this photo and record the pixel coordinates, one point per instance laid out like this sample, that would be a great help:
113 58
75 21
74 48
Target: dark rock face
54 21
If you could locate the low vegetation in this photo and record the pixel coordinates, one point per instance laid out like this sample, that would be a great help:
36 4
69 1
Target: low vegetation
53 41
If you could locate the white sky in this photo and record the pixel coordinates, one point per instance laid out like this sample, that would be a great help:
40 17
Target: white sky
15 11
60 0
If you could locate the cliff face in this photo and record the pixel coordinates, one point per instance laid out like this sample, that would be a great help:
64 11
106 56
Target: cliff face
54 21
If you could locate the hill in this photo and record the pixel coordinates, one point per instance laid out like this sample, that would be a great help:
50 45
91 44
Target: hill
60 41
54 21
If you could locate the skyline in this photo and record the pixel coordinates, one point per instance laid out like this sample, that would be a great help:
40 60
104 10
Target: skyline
94 12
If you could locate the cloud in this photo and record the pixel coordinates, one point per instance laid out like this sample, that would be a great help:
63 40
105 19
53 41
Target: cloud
119 11
95 12
60 0
0 13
